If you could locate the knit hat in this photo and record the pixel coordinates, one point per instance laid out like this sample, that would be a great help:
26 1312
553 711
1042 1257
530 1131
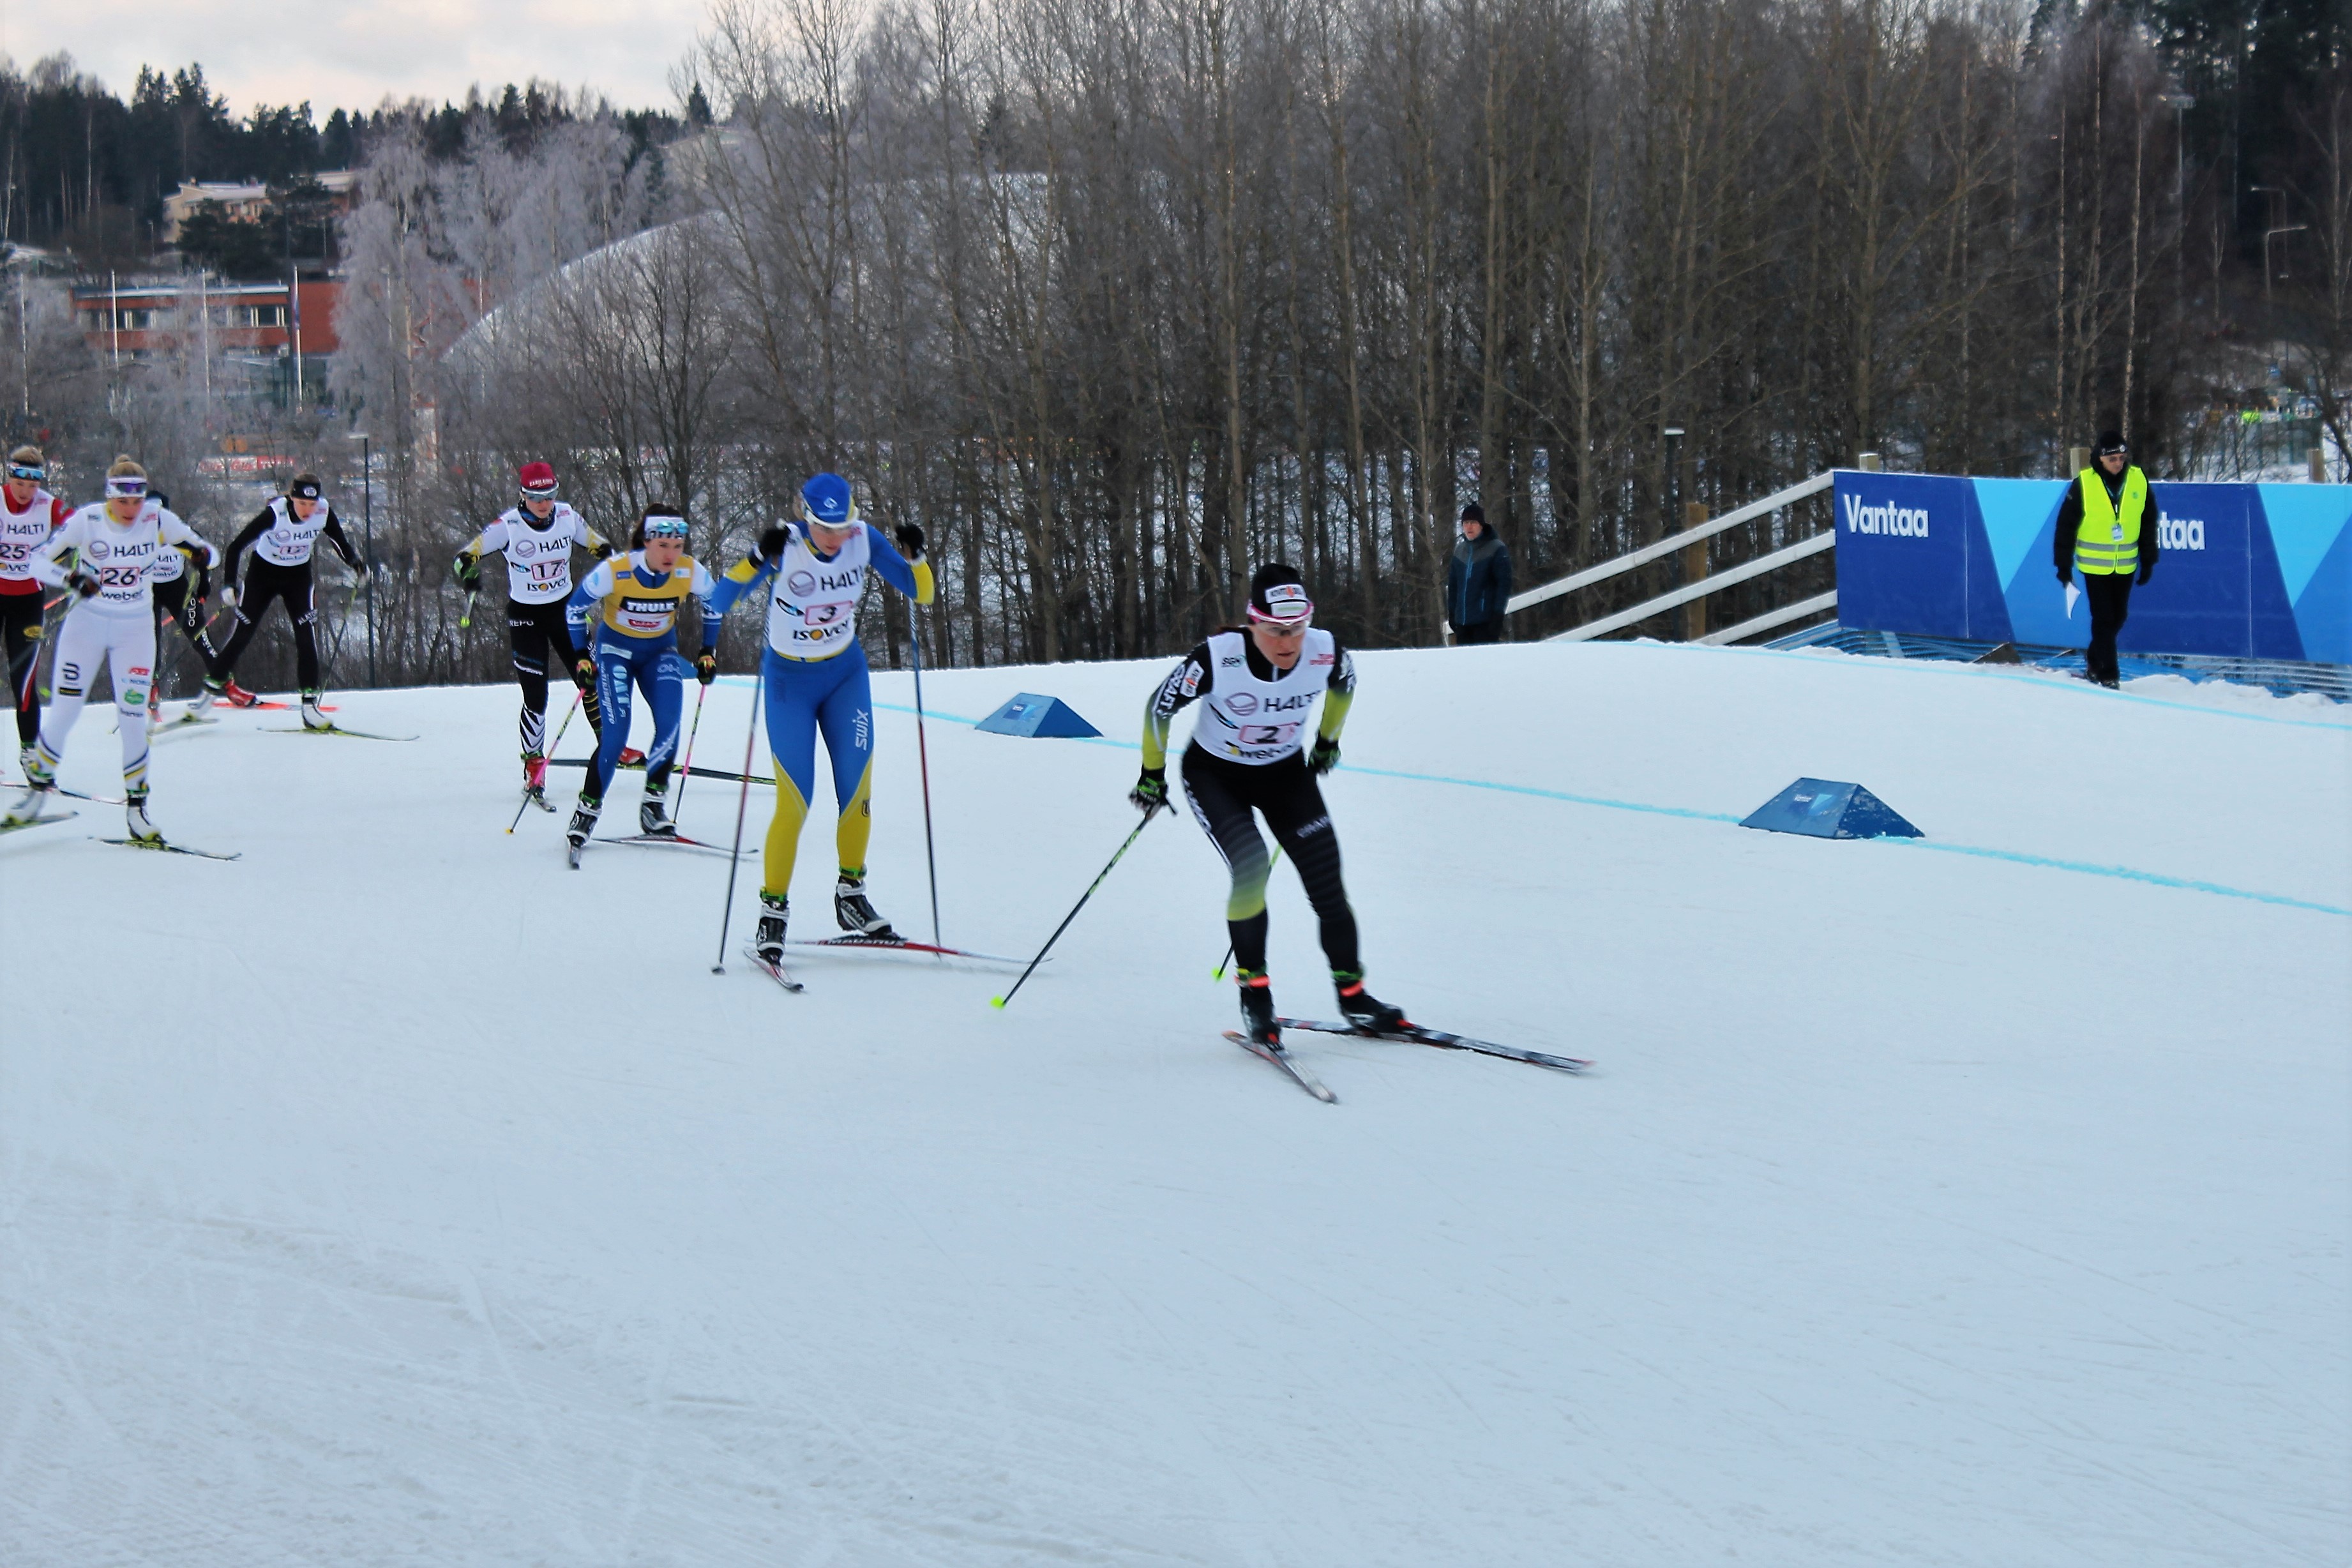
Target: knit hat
1278 594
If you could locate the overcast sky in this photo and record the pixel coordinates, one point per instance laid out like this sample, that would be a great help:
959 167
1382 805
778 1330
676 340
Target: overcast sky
350 54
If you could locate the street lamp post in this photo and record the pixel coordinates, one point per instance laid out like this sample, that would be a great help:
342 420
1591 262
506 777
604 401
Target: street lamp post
367 532
2180 103
1672 496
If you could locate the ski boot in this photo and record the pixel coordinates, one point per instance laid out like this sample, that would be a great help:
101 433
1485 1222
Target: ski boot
1363 1009
312 717
858 917
583 822
135 812
26 756
630 758
769 943
229 692
652 816
39 782
205 696
534 781
1258 1008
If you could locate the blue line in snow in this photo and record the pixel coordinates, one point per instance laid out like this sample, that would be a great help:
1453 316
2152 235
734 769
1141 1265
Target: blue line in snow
2125 873
2042 683
2047 862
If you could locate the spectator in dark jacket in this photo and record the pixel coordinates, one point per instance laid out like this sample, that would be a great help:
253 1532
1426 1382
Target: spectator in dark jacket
1477 582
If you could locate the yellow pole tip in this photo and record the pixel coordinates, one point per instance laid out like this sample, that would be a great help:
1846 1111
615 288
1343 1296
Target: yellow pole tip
996 1000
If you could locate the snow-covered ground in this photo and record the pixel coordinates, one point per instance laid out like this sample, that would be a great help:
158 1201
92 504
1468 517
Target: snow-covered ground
396 1195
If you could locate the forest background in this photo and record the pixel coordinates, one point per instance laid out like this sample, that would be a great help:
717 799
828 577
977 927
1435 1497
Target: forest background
1116 298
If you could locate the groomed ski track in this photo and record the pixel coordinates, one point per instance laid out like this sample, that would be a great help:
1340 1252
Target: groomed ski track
396 1195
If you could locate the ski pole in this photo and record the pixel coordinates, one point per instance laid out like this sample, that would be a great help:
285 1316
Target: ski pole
466 616
1219 972
1001 1001
685 767
923 753
550 752
742 802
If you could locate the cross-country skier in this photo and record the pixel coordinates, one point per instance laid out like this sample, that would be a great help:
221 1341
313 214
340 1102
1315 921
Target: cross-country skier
1257 689
635 597
30 515
537 536
180 583
814 671
282 536
115 545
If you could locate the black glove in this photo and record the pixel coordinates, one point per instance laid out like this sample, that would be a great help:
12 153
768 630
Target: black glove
706 667
1151 790
584 672
468 569
2146 572
910 540
773 542
82 582
1325 757
601 549
2064 576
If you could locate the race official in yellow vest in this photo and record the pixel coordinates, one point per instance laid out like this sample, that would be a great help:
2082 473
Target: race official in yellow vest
2106 531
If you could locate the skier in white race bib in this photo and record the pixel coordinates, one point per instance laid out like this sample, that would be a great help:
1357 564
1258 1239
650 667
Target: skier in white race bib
180 583
114 546
282 536
538 537
813 679
29 515
1249 754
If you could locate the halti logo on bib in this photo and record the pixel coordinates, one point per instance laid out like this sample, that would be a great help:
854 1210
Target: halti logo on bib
98 550
1242 704
801 583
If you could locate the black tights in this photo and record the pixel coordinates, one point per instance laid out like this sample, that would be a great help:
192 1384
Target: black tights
539 635
263 583
1224 795
20 622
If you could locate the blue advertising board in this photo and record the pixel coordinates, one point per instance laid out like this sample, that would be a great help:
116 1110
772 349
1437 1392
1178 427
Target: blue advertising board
2246 571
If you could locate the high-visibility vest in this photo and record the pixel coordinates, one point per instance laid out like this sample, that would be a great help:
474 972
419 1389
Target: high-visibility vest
2108 540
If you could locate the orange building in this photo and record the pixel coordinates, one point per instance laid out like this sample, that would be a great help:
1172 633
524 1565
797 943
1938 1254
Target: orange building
265 332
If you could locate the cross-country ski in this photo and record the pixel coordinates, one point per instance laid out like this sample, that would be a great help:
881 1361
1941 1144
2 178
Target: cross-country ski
1274 1056
1413 1034
167 847
332 730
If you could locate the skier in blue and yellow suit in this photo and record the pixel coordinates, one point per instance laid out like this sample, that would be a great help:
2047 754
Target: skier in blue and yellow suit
634 598
814 674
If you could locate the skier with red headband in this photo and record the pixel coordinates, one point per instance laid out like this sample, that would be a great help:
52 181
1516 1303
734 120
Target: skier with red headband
537 536
1250 752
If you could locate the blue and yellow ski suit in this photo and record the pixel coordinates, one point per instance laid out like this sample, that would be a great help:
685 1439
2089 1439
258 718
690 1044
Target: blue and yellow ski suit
814 672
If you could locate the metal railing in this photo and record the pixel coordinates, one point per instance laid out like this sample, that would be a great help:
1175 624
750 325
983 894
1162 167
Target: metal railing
1684 539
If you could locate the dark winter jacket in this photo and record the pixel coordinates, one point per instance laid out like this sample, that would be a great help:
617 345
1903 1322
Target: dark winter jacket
1477 582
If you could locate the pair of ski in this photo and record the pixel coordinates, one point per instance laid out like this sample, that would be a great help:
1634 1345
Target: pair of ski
1410 1033
159 845
777 972
638 764
330 730
655 841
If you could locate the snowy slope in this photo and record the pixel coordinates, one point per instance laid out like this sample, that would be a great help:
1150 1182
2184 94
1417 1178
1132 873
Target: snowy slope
398 1196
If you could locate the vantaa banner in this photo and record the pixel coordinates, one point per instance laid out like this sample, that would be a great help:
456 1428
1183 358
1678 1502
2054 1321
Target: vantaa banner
2248 571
